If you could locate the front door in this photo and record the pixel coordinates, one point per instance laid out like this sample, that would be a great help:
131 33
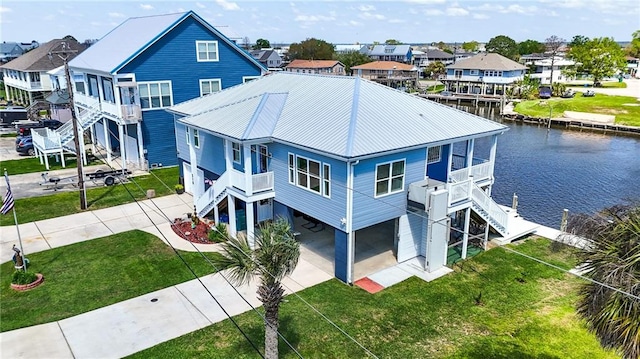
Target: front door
263 159
192 180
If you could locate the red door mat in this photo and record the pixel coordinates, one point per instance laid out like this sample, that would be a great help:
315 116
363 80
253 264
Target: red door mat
368 285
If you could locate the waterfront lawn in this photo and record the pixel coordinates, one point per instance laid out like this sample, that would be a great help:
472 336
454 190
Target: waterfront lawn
64 203
496 305
85 276
600 103
32 165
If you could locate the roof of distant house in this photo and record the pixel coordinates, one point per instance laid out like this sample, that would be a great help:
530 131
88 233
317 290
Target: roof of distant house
487 61
385 65
382 50
129 39
342 116
38 59
312 64
263 55
438 54
6 47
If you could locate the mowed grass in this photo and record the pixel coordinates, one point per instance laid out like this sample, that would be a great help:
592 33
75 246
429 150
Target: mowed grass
625 109
93 274
65 203
32 165
525 310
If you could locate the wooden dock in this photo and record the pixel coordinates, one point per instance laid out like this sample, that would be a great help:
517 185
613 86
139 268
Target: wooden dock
574 124
461 99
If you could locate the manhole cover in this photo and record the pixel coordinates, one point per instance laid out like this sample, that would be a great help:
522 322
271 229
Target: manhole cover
154 300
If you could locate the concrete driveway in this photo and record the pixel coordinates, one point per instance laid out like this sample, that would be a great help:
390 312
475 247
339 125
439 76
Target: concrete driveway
632 89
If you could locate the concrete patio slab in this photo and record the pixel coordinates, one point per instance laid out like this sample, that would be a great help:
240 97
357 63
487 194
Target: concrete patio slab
304 276
390 276
38 341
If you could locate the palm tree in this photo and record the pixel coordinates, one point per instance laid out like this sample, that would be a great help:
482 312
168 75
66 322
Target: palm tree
274 256
612 257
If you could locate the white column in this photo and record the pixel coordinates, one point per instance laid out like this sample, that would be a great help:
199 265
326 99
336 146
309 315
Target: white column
492 153
449 160
193 160
140 145
107 138
250 224
470 144
227 155
123 147
351 251
64 165
92 131
248 184
231 206
216 214
46 161
465 235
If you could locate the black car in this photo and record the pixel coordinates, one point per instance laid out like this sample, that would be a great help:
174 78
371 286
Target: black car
24 128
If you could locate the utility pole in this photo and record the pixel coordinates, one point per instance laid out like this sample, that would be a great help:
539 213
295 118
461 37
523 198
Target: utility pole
64 53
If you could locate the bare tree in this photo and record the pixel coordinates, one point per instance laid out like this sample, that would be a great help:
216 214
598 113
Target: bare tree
552 45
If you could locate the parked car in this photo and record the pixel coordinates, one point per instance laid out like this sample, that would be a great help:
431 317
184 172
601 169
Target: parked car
24 145
588 93
544 92
568 94
23 128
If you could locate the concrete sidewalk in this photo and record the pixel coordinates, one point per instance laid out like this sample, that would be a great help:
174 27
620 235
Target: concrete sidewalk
133 325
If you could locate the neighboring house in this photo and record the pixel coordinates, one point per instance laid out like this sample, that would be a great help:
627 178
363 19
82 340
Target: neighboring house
462 54
346 48
269 58
484 74
10 51
543 70
123 83
422 59
323 67
398 53
28 46
633 66
25 78
391 73
59 106
529 59
350 156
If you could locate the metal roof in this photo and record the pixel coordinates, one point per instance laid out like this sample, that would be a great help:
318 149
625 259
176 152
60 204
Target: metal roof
132 37
381 50
487 61
343 116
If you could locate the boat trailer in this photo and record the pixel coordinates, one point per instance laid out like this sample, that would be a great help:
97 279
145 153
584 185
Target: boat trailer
108 178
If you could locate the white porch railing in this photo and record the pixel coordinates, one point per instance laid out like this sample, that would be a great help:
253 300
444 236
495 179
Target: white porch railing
110 108
496 215
261 182
85 100
479 172
459 191
212 196
45 139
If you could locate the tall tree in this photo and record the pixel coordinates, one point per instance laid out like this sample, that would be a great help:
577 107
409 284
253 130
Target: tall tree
503 45
530 47
311 49
275 255
471 46
352 58
578 40
600 58
393 42
261 44
611 257
553 44
434 69
633 49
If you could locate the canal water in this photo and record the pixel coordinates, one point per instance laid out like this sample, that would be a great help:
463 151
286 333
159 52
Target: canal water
551 170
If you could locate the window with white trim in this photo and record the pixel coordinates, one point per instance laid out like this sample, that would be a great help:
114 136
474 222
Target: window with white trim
210 86
207 51
155 94
188 135
434 154
235 149
473 72
310 174
389 178
292 169
326 180
196 138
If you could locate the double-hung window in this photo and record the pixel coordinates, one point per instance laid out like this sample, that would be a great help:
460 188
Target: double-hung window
210 86
389 178
188 135
207 51
235 148
310 174
196 138
155 94
434 154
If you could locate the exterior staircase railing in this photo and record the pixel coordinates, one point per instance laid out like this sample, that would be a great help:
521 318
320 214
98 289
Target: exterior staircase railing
213 195
489 210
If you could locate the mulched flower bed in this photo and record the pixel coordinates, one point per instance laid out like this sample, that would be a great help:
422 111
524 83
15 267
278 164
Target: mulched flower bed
196 235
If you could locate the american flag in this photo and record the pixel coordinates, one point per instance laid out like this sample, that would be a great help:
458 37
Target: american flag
7 203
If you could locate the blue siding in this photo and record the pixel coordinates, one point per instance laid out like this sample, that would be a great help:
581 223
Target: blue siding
439 171
280 210
341 255
328 210
173 58
368 210
210 155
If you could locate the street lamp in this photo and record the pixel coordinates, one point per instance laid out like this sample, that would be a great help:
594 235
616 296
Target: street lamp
64 53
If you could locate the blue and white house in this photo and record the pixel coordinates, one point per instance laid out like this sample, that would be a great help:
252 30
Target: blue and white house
124 82
483 74
398 53
345 152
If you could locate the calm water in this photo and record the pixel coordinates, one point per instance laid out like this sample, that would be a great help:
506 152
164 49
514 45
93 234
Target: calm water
557 169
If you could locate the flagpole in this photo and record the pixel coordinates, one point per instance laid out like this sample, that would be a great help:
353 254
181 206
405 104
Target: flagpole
15 219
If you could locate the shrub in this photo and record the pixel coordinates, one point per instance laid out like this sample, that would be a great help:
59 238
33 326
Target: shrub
218 233
22 277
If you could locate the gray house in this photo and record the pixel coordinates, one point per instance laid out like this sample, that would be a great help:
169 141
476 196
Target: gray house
10 51
269 58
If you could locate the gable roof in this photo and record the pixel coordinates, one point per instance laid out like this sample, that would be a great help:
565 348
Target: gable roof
385 65
438 54
381 50
341 116
487 61
9 47
263 55
129 39
37 60
313 64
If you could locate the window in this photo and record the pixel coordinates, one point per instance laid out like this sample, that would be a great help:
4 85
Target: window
188 134
207 50
210 86
155 94
490 73
389 178
196 138
107 88
306 173
473 72
433 154
457 73
249 78
235 147
93 85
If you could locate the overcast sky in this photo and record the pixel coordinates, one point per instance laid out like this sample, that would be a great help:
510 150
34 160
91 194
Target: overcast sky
409 21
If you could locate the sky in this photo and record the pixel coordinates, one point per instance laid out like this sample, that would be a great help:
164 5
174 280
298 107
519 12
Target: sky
337 22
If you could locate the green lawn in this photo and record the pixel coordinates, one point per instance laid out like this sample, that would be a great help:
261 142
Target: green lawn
90 275
615 84
435 89
602 104
38 208
32 165
526 311
12 134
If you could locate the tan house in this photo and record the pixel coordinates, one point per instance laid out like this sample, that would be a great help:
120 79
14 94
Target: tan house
322 67
390 73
